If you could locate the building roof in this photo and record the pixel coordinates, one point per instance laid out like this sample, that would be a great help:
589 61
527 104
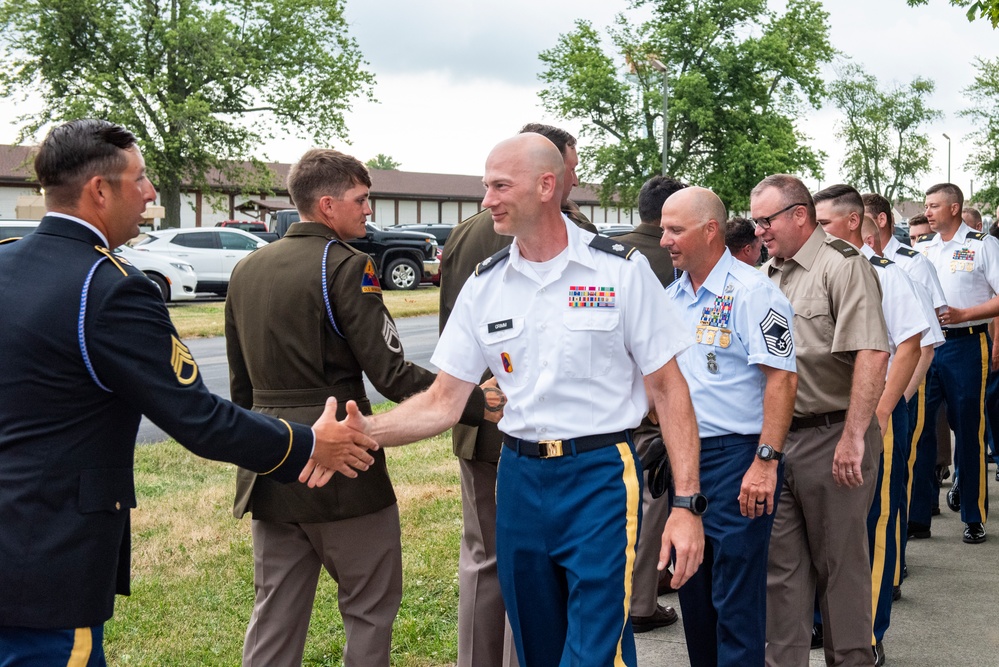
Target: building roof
15 167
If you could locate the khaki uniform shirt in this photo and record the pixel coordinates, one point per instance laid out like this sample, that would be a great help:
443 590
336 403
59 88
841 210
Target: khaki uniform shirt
836 298
646 238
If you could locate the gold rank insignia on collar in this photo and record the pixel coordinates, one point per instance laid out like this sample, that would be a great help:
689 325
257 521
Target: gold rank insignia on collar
184 366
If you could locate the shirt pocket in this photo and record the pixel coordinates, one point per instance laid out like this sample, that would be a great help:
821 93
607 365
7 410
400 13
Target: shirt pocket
591 337
504 344
813 323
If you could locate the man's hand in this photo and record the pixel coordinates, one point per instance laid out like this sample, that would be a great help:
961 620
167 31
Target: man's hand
684 533
340 446
756 497
495 400
951 315
847 460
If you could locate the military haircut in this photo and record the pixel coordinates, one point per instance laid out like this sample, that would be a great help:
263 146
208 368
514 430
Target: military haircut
653 195
951 191
75 152
792 190
918 219
557 136
975 214
842 196
878 205
324 172
739 232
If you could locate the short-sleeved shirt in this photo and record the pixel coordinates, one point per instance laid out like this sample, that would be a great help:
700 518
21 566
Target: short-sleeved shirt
570 348
967 266
837 312
919 269
903 310
739 321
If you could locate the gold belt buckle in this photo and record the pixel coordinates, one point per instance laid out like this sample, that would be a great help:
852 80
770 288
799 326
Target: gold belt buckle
548 449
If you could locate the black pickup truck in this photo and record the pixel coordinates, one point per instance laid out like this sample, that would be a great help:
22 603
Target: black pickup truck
402 259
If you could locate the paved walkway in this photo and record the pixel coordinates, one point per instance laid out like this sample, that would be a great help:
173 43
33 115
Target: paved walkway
948 614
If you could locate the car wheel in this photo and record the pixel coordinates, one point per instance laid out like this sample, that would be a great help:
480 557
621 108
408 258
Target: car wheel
161 283
402 273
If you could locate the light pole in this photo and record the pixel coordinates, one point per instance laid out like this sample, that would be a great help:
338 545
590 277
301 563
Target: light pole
662 68
948 155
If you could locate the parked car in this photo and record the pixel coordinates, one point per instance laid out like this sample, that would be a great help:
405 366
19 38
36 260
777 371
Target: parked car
175 278
614 230
439 232
402 258
213 252
10 229
245 225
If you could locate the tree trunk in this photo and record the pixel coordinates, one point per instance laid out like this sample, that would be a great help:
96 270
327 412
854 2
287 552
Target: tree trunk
170 198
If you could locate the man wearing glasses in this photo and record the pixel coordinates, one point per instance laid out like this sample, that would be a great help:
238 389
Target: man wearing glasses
819 538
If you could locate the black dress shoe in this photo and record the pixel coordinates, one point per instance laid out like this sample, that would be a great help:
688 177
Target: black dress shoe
918 531
974 533
879 654
816 636
905 572
896 593
954 499
997 473
662 617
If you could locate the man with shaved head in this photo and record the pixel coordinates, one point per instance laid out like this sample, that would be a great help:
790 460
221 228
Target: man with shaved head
574 326
744 348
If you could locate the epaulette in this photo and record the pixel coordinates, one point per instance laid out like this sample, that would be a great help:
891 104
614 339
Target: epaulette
881 261
908 252
490 262
613 246
978 236
926 237
10 240
117 261
843 247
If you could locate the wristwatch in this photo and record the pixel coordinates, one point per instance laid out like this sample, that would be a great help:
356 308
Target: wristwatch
697 503
768 453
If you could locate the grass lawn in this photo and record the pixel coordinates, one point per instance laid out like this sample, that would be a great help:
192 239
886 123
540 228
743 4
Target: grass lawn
203 320
192 565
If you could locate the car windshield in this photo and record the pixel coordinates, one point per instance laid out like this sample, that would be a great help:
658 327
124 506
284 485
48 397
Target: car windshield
141 239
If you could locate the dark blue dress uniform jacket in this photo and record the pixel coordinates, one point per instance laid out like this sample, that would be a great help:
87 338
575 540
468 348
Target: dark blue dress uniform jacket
67 433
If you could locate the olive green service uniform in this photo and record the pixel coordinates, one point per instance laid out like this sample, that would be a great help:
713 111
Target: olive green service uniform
655 511
819 539
481 614
304 318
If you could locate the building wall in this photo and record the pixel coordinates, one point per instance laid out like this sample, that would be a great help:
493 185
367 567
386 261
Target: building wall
8 200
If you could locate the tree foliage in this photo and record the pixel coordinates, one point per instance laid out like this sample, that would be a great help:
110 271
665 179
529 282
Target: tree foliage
885 149
984 112
200 83
975 9
739 75
382 161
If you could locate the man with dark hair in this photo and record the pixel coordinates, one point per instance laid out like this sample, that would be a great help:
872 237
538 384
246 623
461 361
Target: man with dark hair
88 349
919 226
351 526
646 612
742 242
480 607
972 217
840 211
967 264
819 540
741 325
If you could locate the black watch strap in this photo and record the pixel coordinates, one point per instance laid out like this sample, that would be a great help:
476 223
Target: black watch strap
697 503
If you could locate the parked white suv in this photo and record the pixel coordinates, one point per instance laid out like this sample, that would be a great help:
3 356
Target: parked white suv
212 251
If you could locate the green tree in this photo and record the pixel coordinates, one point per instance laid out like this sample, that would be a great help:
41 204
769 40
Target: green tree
382 161
739 75
975 9
201 84
885 149
984 112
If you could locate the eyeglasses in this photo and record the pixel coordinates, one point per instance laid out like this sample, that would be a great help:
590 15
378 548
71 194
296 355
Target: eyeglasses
765 222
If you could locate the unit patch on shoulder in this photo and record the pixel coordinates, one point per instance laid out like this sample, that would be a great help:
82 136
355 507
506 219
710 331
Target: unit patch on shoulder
612 246
184 366
908 252
881 261
391 335
777 334
369 281
843 247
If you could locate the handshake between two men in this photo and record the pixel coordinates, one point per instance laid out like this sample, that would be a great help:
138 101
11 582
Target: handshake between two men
344 446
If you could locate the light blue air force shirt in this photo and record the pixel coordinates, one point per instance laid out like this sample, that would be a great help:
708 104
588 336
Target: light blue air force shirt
740 321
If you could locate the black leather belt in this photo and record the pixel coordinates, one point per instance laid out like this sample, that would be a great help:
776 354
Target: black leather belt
959 332
825 419
548 449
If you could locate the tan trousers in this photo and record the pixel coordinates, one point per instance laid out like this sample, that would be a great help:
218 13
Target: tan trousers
484 636
819 543
655 511
363 555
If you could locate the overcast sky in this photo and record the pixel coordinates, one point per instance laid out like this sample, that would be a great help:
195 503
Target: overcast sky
454 77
